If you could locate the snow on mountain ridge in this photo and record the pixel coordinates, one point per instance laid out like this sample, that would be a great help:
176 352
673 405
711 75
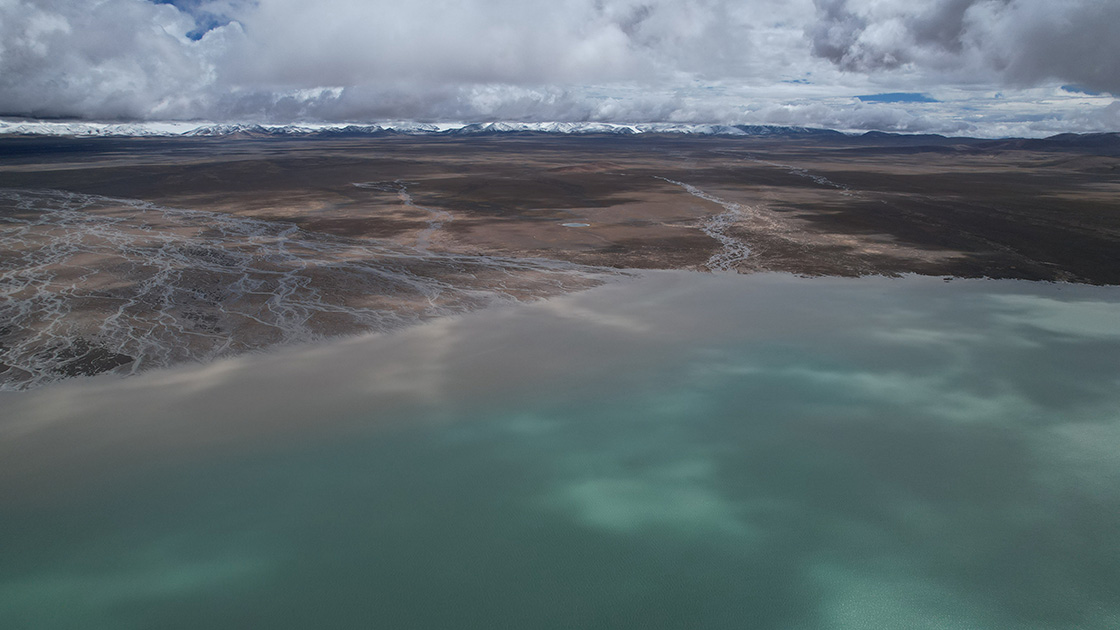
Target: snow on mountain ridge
168 129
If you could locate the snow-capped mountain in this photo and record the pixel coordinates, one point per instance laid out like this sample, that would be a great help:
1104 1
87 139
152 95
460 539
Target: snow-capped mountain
88 129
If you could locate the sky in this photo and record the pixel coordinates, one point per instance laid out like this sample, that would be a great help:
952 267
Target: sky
968 67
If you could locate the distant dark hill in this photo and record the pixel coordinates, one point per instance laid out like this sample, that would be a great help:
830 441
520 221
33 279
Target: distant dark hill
1103 143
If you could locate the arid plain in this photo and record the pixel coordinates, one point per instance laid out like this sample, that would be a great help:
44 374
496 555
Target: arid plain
1040 209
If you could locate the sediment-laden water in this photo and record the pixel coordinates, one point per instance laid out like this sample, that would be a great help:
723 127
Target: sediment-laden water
677 451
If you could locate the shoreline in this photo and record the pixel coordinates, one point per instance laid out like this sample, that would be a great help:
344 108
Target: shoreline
287 351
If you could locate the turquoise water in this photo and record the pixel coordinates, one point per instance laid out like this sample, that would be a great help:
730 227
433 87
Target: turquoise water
676 451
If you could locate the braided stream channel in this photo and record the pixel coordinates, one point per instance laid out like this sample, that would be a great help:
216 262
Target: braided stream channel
92 284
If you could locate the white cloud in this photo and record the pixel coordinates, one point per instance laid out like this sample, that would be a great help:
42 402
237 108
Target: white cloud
115 58
762 61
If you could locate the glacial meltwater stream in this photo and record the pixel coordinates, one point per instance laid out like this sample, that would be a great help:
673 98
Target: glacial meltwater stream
676 450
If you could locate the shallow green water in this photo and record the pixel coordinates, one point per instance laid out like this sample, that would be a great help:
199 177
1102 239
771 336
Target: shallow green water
678 451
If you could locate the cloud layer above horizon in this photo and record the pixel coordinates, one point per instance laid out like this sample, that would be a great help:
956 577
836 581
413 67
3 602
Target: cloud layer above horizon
982 67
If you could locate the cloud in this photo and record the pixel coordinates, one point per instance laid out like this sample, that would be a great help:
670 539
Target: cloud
768 61
292 43
859 35
115 59
1002 42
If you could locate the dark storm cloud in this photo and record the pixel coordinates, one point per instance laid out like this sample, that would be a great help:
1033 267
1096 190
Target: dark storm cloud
1005 42
861 36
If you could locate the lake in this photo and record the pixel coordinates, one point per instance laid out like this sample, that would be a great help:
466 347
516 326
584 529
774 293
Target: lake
671 450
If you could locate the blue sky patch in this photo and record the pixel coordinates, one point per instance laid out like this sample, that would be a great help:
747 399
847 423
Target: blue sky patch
898 97
1077 89
204 21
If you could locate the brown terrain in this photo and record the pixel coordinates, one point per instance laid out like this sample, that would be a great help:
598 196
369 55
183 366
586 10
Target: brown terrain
872 205
812 204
